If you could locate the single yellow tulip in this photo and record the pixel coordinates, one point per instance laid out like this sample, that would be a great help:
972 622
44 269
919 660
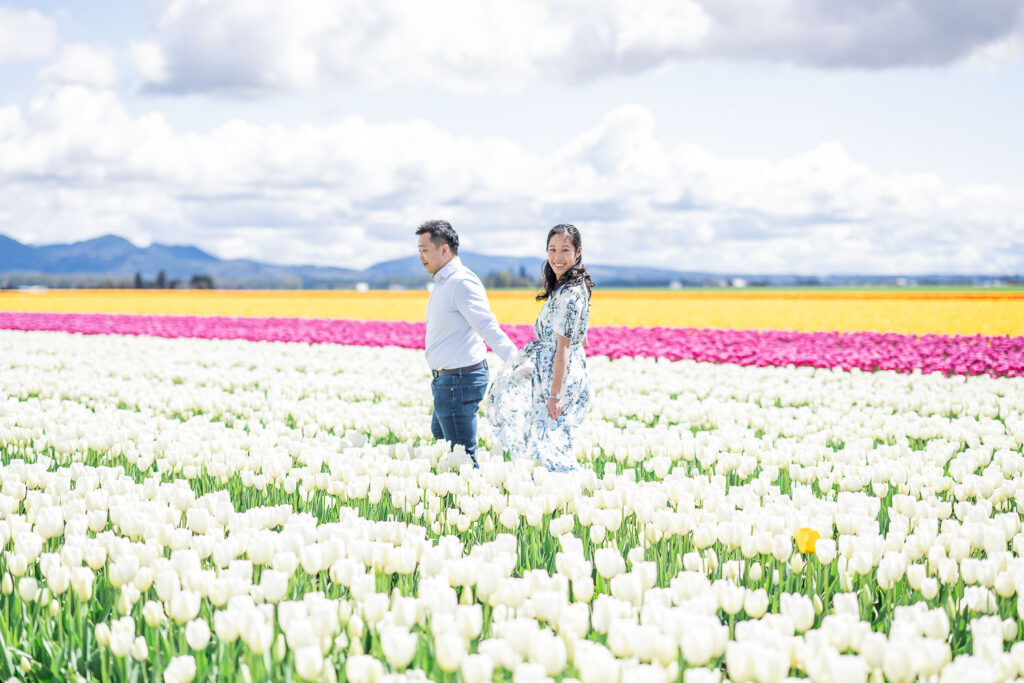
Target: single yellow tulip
805 539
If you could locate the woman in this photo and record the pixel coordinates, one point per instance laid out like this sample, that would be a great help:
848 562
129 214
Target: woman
537 402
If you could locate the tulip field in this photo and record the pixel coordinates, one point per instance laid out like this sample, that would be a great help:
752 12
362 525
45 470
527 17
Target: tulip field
190 494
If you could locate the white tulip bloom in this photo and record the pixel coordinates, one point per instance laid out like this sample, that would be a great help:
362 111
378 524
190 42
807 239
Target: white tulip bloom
81 582
140 649
799 609
181 669
476 668
701 675
309 662
399 646
755 603
184 606
28 588
17 563
274 584
153 613
449 649
121 642
197 634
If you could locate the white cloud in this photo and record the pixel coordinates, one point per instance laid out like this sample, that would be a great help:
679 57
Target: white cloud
256 46
80 64
25 35
859 33
74 163
252 46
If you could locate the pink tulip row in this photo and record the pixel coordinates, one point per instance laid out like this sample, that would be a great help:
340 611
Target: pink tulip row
962 355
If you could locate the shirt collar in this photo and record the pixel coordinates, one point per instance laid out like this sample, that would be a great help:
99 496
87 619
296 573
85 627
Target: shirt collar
448 269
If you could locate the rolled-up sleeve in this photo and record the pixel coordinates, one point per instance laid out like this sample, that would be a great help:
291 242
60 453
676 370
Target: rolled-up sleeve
471 301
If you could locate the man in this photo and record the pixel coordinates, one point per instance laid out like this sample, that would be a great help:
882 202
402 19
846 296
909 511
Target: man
459 321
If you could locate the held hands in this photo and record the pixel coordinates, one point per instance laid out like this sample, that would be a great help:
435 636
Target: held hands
555 408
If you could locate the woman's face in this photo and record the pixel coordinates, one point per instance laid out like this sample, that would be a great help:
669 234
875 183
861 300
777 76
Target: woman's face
561 254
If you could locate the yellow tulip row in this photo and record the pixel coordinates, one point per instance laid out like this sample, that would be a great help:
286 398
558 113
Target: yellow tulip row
996 312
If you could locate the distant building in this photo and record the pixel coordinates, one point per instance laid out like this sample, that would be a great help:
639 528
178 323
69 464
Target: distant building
738 282
362 286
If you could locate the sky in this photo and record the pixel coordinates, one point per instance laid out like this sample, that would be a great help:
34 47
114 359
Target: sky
784 136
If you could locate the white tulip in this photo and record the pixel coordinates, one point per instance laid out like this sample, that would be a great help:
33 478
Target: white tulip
197 634
730 596
693 562
739 662
28 588
81 582
127 597
755 603
309 662
697 647
449 650
258 635
102 633
609 562
799 609
595 663
628 587
96 557
701 675
825 550
227 626
167 584
140 649
898 665
583 589
549 651
181 669
184 606
782 547
153 613
476 668
399 646
274 584
17 563
121 642
363 669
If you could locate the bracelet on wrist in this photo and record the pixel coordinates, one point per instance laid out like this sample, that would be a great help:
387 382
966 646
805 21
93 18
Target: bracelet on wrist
557 397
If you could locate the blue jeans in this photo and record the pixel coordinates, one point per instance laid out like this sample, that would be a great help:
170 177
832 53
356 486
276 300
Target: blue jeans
456 399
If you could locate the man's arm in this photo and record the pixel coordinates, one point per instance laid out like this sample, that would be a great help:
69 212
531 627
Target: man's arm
471 302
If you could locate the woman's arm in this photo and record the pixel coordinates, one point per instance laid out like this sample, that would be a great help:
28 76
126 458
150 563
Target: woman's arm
557 376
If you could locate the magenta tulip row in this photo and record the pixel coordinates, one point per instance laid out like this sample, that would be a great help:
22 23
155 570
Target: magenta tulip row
962 355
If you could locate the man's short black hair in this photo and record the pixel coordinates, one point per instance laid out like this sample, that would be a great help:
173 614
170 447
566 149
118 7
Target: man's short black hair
441 232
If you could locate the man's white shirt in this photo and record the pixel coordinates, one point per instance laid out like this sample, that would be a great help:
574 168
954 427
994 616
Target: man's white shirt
459 321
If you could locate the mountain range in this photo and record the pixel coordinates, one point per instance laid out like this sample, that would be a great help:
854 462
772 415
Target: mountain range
115 258
112 261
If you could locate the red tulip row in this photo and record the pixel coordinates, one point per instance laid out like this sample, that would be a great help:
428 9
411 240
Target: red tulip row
869 351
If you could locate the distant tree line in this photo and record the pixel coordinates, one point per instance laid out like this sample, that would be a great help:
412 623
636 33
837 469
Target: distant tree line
507 278
161 282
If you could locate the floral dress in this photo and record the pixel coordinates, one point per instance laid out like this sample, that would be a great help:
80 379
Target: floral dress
517 402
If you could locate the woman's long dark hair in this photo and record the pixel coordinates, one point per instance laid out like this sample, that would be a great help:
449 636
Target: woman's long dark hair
577 273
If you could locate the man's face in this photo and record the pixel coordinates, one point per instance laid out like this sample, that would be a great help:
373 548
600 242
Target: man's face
433 257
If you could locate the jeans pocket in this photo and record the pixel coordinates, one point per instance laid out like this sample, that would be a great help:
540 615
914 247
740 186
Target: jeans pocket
468 397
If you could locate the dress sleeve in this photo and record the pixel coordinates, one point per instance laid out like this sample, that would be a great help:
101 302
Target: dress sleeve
567 316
